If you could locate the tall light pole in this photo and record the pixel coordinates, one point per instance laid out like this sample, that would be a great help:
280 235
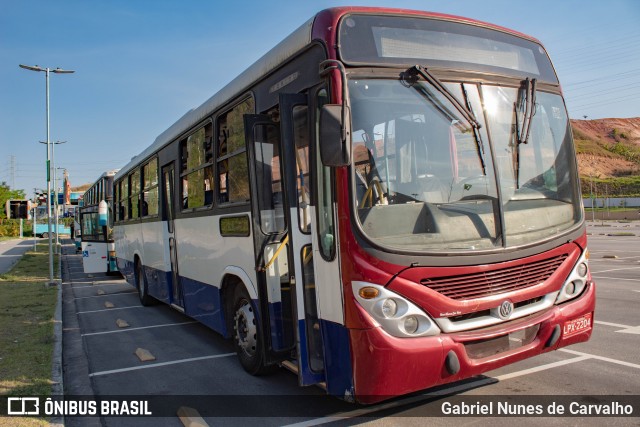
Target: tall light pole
55 190
47 70
55 186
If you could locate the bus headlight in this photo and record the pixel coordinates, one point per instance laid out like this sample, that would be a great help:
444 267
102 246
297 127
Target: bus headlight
576 282
389 308
411 324
397 315
582 269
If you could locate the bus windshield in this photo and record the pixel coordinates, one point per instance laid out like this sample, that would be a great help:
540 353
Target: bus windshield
424 181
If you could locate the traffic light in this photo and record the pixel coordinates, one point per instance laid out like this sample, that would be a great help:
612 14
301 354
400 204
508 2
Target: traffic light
18 209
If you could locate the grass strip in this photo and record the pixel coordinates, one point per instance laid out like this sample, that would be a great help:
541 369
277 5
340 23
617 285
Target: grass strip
27 309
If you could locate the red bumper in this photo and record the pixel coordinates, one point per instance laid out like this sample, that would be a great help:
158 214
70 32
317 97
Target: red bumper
386 366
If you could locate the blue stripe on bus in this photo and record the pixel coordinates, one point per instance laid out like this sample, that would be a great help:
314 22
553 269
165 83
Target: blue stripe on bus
127 270
203 303
307 375
159 283
337 359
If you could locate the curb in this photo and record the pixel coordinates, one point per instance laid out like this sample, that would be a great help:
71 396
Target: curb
74 361
57 388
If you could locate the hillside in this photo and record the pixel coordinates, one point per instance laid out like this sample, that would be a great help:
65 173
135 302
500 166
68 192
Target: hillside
609 154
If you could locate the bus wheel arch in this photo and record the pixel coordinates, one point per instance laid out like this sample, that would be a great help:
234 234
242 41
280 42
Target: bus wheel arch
243 326
141 282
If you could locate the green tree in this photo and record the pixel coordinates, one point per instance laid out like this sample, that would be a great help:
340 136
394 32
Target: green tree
8 227
7 193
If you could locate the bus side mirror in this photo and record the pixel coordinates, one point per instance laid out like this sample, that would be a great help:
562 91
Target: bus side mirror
335 136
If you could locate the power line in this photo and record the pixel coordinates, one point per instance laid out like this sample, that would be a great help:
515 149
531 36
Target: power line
610 57
607 77
607 91
605 45
624 98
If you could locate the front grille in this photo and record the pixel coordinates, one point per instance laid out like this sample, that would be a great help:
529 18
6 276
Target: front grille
487 283
480 349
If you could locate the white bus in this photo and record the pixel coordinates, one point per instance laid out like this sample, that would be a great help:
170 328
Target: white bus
96 226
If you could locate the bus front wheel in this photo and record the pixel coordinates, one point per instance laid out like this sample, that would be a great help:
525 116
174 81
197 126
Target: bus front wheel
246 336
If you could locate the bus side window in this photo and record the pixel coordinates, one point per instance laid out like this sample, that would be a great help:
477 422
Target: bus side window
326 224
233 169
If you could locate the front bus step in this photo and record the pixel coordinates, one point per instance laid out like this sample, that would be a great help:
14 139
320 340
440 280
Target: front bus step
293 367
289 365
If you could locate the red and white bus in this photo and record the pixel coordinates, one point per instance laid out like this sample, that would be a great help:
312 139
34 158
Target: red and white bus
386 201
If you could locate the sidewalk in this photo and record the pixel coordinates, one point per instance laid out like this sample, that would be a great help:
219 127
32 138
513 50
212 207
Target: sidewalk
11 251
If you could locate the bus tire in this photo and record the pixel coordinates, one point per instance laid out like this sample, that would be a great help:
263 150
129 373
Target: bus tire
143 287
44 235
246 336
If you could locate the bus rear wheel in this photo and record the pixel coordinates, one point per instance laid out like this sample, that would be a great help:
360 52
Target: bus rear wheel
246 336
143 288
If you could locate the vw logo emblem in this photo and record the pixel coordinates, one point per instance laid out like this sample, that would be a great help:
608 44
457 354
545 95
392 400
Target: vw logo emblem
506 309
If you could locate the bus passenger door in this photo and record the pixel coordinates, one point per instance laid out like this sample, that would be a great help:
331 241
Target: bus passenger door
279 159
296 175
270 238
168 180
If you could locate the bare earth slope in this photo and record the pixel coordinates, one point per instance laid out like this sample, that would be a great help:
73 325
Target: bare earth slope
608 147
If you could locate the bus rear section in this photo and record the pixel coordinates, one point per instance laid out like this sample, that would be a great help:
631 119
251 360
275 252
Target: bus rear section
96 227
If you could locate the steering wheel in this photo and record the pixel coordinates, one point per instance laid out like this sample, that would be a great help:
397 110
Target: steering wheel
464 185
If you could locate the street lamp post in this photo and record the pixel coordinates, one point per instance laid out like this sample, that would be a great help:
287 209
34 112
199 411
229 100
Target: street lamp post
47 70
55 190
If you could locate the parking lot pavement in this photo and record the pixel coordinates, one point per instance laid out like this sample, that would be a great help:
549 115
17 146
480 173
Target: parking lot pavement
189 359
192 360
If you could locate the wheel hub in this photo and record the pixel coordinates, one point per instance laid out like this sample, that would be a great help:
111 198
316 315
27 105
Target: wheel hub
245 328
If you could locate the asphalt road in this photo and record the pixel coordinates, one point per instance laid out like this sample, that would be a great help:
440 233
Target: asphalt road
11 251
100 359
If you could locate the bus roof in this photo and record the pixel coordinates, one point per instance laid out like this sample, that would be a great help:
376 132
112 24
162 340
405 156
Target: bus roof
267 63
278 55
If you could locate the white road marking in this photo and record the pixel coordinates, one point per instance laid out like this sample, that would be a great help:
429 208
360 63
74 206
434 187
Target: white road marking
139 328
601 251
615 325
110 309
93 286
595 275
156 365
624 329
605 359
106 295
346 415
634 331
541 368
384 406
616 269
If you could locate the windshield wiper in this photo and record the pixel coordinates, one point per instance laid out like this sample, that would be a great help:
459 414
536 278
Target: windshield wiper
529 111
433 80
465 110
522 135
476 131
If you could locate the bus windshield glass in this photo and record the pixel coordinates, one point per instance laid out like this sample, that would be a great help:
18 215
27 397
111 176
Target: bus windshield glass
424 181
372 39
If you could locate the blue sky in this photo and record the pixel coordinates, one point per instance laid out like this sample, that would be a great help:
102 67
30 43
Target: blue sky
140 65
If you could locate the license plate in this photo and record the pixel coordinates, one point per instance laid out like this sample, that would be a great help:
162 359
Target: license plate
575 326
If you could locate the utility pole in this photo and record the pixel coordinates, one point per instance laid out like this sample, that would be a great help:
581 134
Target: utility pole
47 71
13 172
